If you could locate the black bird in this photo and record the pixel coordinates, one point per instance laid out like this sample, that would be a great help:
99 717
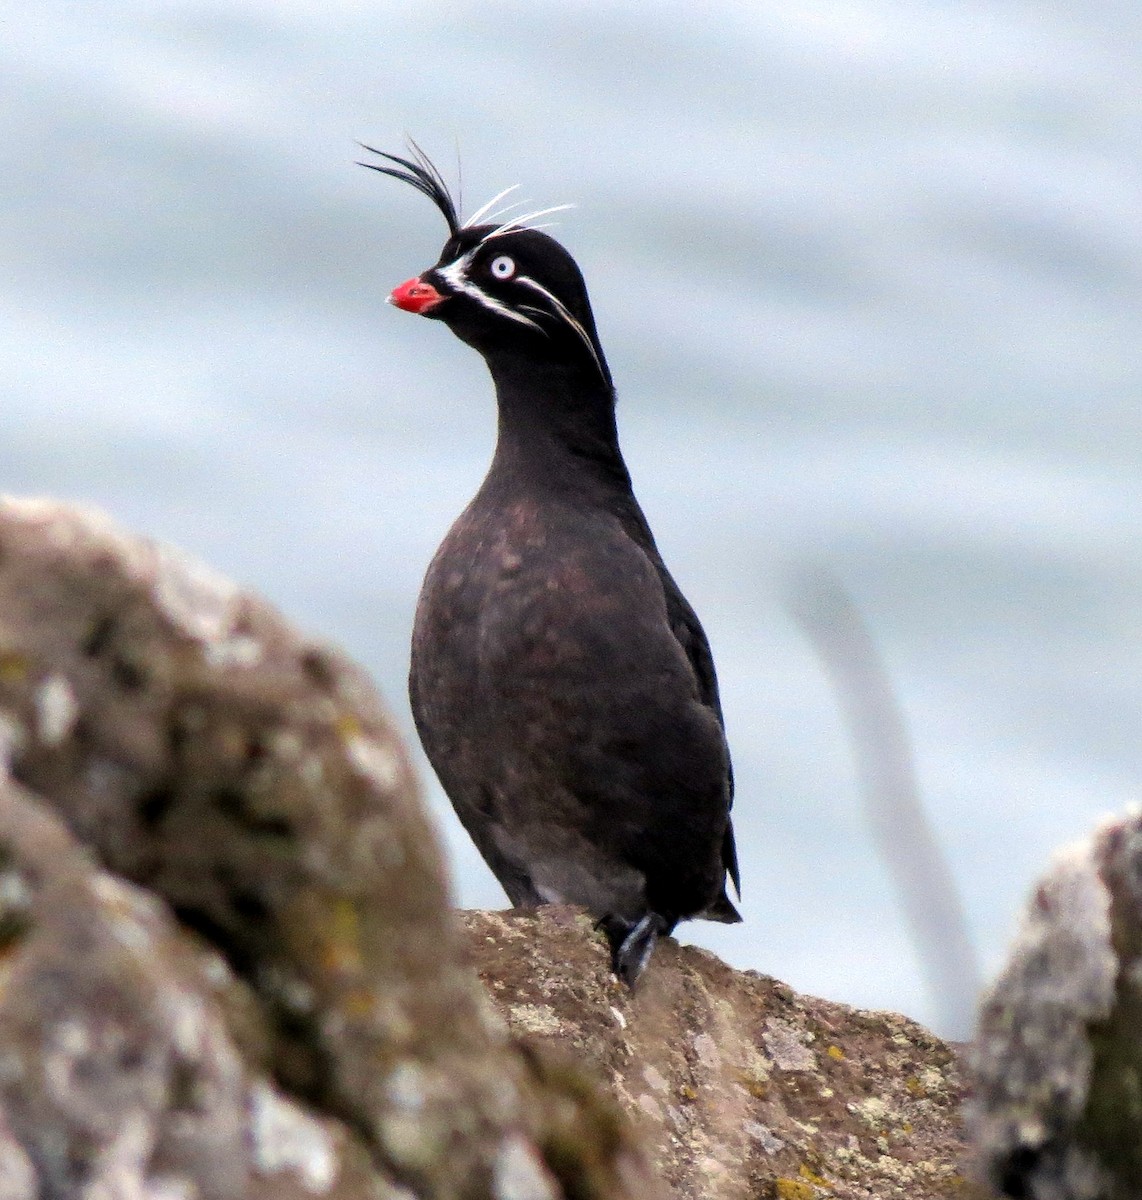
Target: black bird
562 686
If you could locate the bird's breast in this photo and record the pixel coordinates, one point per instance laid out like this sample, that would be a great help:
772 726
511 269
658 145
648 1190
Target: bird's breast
520 592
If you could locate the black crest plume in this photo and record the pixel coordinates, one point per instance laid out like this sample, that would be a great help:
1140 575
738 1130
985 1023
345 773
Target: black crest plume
421 172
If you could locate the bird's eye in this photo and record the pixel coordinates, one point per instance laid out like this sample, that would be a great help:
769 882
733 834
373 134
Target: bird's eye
503 267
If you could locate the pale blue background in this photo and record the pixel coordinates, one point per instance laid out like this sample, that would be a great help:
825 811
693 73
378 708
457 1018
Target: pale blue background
867 273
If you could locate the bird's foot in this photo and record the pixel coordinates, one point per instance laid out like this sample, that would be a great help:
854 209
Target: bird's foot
632 945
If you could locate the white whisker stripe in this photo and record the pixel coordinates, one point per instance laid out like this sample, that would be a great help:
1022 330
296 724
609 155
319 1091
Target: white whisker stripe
561 310
484 209
455 276
539 312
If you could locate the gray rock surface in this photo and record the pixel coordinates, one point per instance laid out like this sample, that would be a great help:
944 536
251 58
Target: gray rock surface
1057 1113
230 955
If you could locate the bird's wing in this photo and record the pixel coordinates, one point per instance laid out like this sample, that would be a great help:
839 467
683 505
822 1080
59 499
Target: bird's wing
691 636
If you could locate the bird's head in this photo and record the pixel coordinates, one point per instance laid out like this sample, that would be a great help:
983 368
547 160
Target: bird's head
501 285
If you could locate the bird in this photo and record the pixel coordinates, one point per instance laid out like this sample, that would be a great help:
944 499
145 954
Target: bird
561 685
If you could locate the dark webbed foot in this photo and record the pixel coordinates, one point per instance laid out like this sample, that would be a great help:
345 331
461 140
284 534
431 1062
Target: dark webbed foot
632 944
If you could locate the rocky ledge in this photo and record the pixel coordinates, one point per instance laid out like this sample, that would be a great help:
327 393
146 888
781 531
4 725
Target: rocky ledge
739 1086
229 966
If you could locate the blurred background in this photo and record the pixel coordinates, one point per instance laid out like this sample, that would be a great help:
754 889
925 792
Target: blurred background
868 276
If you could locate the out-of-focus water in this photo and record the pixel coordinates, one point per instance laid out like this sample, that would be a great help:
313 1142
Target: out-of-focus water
868 276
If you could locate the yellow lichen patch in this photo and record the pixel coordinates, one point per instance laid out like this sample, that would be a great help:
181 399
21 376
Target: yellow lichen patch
835 1052
359 1002
347 725
754 1073
13 667
914 1086
810 1176
793 1189
687 1092
342 951
759 1091
957 1185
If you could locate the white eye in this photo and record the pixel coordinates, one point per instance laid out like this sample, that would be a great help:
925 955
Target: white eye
503 267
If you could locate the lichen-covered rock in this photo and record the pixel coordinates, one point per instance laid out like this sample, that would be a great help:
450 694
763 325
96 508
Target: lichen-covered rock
118 1073
1057 1113
252 783
743 1088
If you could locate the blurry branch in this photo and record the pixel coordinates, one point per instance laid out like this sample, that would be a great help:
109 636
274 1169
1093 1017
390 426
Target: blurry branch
900 828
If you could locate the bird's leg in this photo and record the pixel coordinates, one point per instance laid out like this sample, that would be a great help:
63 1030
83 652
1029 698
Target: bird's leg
632 944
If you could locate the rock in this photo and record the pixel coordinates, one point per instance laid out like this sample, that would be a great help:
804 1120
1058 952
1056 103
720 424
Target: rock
229 966
230 950
742 1088
118 1073
1057 1113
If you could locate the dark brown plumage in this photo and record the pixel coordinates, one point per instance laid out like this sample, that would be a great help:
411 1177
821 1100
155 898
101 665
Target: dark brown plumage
562 686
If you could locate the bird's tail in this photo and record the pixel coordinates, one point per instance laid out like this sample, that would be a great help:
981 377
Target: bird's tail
722 910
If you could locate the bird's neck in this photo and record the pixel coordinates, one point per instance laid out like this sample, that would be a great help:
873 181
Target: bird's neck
556 423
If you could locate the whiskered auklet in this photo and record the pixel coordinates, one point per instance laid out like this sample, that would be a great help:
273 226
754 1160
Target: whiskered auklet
561 684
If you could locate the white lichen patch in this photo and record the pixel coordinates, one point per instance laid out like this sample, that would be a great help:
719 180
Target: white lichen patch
65 1045
764 1136
120 898
284 1138
713 1168
873 1111
786 1046
620 1020
312 771
185 1017
120 1168
895 1169
531 1018
932 1081
15 895
650 1106
375 762
655 1079
17 1175
215 969
520 1174
286 745
167 1187
56 710
238 651
131 914
199 600
707 1051
407 1088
